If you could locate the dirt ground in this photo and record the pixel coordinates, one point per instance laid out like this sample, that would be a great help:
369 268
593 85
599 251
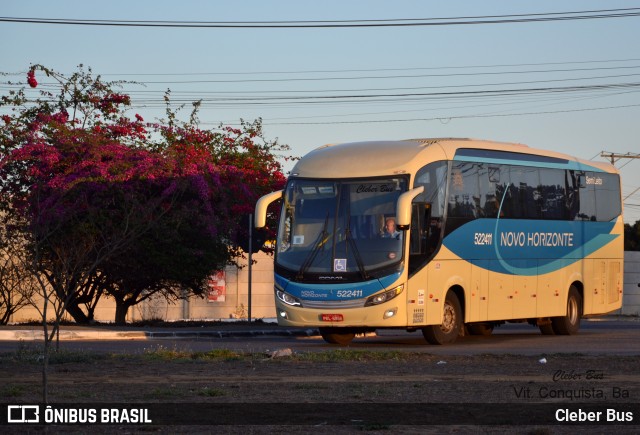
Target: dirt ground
330 381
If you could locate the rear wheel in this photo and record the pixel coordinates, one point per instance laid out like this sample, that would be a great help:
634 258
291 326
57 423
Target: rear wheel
447 332
569 324
334 336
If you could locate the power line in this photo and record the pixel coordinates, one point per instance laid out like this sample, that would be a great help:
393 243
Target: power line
360 77
410 76
466 67
369 70
439 118
379 96
398 22
439 108
502 95
414 96
627 197
7 85
499 99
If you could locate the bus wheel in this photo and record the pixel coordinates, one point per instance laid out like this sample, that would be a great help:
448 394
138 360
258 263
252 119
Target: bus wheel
484 329
448 331
330 335
569 323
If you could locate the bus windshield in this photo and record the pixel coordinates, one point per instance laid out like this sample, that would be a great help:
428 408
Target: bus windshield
342 227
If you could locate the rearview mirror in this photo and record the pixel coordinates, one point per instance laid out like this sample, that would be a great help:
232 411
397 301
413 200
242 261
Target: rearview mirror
403 208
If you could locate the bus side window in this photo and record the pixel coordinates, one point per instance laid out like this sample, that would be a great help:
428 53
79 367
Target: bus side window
607 193
572 198
464 196
553 193
488 177
587 202
419 216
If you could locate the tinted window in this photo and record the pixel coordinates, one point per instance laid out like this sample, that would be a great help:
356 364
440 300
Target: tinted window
427 214
464 193
507 194
607 190
587 203
520 192
488 179
551 194
433 177
525 198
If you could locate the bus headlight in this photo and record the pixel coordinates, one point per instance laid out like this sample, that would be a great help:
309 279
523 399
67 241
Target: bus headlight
384 296
288 299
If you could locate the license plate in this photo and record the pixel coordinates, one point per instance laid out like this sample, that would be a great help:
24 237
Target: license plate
332 317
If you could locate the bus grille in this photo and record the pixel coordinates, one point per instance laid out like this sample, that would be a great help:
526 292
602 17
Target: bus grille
351 303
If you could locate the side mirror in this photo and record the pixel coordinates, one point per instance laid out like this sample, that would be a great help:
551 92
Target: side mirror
403 208
260 217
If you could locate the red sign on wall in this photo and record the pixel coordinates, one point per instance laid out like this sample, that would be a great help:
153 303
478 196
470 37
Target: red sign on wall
217 287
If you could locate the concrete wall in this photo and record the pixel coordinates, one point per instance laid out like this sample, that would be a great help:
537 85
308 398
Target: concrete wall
236 299
235 305
631 300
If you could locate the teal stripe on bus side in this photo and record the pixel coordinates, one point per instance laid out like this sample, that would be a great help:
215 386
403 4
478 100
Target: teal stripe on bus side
570 164
528 247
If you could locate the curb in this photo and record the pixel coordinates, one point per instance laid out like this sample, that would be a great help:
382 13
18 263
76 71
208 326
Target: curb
228 334
36 334
87 333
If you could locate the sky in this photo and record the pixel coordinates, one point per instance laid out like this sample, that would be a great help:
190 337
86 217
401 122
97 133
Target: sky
570 85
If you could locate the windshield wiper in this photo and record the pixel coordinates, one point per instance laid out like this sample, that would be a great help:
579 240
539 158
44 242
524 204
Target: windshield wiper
320 241
356 252
354 245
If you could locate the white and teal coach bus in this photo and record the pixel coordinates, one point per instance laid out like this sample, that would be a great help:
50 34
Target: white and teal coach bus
445 236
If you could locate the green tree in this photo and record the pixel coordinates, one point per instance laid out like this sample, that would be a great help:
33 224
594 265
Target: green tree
632 237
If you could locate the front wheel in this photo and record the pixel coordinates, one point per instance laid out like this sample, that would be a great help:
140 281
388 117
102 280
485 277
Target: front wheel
447 332
569 323
334 336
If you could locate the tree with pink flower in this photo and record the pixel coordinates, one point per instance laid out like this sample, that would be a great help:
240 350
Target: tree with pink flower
115 207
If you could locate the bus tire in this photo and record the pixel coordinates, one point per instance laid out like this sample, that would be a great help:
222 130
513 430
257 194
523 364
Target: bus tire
569 324
448 331
331 335
484 329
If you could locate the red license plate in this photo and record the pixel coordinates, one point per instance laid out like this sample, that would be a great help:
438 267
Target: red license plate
332 317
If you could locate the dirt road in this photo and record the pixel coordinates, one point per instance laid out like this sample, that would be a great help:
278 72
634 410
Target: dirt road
329 384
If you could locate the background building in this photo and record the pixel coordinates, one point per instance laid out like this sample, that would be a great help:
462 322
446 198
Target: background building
227 298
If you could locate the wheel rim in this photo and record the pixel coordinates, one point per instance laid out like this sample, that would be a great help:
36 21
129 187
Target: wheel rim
448 318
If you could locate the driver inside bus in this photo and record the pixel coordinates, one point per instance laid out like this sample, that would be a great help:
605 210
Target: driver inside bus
390 231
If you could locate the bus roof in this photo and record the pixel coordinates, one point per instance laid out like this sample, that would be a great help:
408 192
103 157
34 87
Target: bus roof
375 158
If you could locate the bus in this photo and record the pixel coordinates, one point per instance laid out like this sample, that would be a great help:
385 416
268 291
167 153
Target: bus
447 236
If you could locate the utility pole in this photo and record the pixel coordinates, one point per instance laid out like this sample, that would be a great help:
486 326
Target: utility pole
614 157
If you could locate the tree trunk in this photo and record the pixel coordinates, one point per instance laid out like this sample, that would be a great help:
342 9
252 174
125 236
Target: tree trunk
121 312
45 357
78 315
